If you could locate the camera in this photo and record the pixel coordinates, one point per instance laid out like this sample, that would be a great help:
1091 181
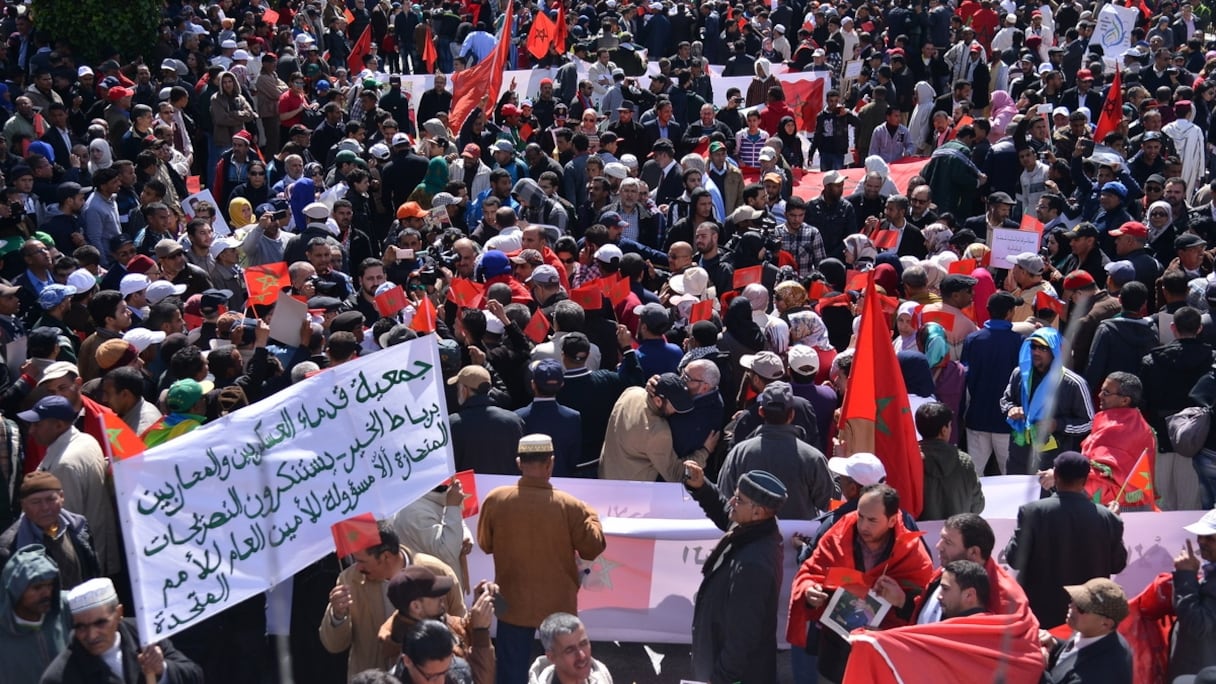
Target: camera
449 259
428 276
16 209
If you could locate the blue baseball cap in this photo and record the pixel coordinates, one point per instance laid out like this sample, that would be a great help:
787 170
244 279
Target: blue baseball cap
548 375
54 294
50 407
323 86
1116 188
495 263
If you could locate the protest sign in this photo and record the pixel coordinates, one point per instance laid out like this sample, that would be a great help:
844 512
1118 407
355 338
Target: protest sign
1007 242
1114 32
229 510
218 224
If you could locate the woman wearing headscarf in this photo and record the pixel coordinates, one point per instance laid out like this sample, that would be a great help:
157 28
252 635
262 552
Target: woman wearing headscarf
302 193
949 377
740 337
905 327
985 287
887 274
837 317
921 123
1159 218
807 328
240 213
937 238
918 379
100 155
432 184
1003 111
859 252
791 144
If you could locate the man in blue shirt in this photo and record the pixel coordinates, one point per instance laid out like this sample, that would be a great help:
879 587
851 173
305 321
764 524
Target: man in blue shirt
654 355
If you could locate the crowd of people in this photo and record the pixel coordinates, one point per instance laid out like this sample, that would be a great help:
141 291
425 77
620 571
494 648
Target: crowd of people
627 280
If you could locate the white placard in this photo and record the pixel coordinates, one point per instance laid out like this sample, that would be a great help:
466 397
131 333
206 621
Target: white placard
1007 242
1114 31
229 510
219 226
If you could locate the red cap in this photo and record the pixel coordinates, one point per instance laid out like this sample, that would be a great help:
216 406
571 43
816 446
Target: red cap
510 110
471 150
244 135
1132 228
1182 106
896 51
1077 280
1085 73
546 81
1036 13
270 57
118 92
975 47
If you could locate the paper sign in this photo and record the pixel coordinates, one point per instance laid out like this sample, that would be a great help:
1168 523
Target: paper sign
1007 242
848 611
289 315
218 224
852 70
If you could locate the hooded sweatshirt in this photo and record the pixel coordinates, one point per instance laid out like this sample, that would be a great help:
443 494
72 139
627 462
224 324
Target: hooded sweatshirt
1119 345
26 651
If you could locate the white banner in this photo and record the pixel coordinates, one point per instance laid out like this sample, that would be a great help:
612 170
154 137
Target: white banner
1114 31
642 588
230 509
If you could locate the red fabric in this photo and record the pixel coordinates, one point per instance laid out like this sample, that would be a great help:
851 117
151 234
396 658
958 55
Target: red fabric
551 259
264 282
1112 110
466 293
1115 443
425 316
540 36
1147 628
876 417
770 118
624 312
429 56
909 564
471 85
362 46
121 440
519 293
985 21
959 650
538 327
355 534
805 98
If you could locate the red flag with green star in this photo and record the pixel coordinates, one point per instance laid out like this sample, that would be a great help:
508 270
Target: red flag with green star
876 417
355 534
121 441
266 281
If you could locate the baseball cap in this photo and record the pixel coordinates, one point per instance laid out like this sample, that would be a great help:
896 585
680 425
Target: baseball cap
1122 272
115 353
1078 280
400 139
59 369
82 280
472 151
495 263
1188 240
863 468
416 582
222 243
612 218
1071 465
1132 228
50 407
802 359
160 289
166 248
545 275
473 377
183 395
410 210
607 253
1029 261
654 317
766 364
833 178
1100 596
1082 230
444 199
694 281
777 396
53 295
1115 188
143 338
132 283
548 375
673 388
503 146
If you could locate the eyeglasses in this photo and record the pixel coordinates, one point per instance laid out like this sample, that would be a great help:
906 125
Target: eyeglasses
689 379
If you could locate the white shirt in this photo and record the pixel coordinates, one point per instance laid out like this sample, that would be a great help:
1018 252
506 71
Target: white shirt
113 657
932 610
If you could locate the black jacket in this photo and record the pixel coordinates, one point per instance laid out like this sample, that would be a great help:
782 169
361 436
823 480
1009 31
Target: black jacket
76 665
1168 372
1119 344
1107 660
485 438
1063 539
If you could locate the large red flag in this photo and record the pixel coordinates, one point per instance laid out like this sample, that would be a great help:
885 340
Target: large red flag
620 577
429 56
1000 645
541 35
805 97
559 37
1112 109
483 80
876 417
362 46
121 440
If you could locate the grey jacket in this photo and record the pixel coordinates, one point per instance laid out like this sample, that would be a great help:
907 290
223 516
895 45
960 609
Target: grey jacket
801 468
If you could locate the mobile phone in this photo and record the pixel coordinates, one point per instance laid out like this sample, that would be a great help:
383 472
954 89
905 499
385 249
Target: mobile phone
1087 146
403 253
1045 109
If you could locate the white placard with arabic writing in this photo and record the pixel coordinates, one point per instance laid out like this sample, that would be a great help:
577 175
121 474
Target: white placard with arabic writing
1007 242
229 510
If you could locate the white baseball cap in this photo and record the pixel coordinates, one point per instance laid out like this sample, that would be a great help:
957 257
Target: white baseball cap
142 338
161 289
222 243
607 253
82 280
862 468
132 283
1205 526
802 359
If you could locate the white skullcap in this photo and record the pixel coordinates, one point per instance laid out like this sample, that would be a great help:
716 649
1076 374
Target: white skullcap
91 594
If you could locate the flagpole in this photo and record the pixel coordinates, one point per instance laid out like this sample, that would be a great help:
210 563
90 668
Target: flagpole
1128 479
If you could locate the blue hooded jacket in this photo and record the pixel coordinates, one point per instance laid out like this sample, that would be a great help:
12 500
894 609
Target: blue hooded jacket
26 652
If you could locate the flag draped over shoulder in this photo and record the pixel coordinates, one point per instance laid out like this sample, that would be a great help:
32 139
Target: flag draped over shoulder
876 417
485 79
1001 643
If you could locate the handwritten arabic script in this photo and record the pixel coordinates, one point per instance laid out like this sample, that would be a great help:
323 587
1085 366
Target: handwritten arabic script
228 510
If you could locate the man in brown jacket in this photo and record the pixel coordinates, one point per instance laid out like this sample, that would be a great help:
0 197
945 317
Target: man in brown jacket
533 531
357 602
266 91
419 594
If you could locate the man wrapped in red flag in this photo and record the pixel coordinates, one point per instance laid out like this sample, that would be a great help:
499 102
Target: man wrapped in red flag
895 564
947 646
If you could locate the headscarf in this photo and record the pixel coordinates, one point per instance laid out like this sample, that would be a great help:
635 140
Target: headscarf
436 176
303 193
887 277
834 272
876 164
859 252
906 342
978 251
934 274
240 212
937 238
922 115
1036 405
985 287
918 378
937 347
107 158
1159 204
1003 111
739 324
788 141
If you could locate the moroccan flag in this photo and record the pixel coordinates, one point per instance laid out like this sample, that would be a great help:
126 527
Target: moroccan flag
844 577
362 46
485 79
538 328
701 311
355 534
806 97
943 318
429 56
620 577
747 276
590 297
194 184
856 280
468 482
270 17
559 35
1139 485
466 293
876 417
266 281
1042 300
618 291
1030 224
1112 109
390 302
885 239
962 266
121 441
541 35
349 16
424 316
817 290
